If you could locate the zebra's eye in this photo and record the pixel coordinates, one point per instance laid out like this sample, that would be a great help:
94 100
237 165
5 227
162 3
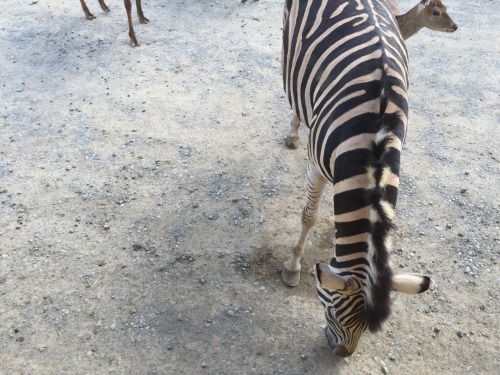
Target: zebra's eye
436 13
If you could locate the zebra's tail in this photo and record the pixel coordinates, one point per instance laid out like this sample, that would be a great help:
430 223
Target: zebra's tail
379 284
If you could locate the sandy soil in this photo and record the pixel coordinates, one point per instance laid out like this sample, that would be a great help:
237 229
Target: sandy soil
147 199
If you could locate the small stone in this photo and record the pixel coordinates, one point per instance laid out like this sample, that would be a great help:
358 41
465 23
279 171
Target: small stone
436 330
203 365
136 247
383 367
304 356
460 334
463 191
449 226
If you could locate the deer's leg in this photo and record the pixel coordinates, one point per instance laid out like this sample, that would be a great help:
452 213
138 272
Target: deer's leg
292 139
140 13
86 10
316 183
104 7
131 32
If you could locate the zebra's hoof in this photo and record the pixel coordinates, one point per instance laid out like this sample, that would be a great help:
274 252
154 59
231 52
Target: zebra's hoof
292 142
290 278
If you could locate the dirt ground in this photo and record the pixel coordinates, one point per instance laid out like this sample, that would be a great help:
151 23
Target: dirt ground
148 200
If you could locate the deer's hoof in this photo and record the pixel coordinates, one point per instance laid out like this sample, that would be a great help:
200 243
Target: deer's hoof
143 20
292 142
134 42
290 278
90 16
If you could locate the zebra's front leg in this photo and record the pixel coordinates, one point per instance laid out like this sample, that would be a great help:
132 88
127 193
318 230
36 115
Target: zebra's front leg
292 139
290 273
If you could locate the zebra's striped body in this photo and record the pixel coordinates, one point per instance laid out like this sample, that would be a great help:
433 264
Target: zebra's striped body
345 75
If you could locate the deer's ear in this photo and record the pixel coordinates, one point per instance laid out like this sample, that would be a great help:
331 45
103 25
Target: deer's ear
328 279
423 4
411 284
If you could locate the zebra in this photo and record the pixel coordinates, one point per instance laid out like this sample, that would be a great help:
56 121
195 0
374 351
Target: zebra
345 73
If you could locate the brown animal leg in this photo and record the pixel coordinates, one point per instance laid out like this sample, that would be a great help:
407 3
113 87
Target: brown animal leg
104 7
140 14
86 10
131 32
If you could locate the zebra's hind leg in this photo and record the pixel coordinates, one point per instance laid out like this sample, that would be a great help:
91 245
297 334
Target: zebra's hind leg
292 139
316 183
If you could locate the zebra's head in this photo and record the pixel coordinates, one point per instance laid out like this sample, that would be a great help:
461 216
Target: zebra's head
344 300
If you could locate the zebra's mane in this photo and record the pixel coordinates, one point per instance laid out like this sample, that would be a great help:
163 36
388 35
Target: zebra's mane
378 303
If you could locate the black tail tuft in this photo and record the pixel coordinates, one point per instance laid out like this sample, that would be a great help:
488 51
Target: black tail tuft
378 303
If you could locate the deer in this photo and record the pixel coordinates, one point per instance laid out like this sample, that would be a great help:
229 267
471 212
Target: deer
128 7
427 13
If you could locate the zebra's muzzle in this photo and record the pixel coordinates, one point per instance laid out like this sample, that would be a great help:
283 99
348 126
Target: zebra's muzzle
338 350
341 351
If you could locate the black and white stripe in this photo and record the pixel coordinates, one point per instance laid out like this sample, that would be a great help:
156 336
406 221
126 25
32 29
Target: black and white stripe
345 75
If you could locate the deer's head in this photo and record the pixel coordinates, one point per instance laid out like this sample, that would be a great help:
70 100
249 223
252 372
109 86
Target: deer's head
435 17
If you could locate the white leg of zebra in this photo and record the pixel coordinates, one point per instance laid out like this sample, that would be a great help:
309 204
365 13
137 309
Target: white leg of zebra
292 139
315 187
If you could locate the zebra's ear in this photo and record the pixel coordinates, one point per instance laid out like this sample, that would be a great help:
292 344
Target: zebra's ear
328 279
411 283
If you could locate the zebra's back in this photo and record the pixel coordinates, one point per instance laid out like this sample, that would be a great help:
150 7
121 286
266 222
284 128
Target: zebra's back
338 59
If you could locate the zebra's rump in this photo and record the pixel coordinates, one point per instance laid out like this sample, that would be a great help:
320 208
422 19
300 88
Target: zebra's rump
335 54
